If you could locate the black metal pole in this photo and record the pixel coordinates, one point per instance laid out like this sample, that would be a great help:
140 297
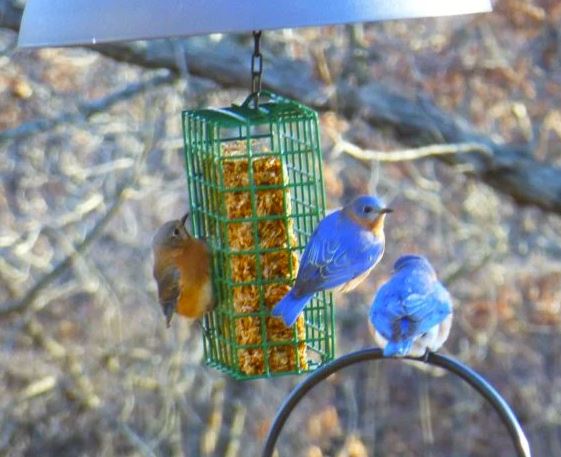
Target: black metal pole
467 374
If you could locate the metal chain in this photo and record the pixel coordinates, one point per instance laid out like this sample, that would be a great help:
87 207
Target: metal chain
256 66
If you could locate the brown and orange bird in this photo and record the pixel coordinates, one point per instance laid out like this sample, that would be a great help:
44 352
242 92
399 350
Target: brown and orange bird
182 271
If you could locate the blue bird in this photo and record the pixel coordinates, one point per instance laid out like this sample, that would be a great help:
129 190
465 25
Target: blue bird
343 249
412 312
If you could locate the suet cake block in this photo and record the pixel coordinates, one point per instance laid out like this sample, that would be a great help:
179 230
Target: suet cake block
267 171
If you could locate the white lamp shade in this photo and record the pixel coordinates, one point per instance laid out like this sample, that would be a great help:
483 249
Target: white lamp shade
78 22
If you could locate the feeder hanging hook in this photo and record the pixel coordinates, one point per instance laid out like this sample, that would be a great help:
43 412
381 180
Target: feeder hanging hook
256 67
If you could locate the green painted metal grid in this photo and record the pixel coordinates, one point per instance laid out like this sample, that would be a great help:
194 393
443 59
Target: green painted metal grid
290 131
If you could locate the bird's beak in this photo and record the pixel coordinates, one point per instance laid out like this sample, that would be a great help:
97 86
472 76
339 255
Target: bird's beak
386 211
184 219
168 312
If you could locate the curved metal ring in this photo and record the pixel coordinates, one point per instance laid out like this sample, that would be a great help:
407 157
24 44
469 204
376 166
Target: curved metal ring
467 374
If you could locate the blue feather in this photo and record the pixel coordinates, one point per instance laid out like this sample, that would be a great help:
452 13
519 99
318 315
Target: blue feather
290 307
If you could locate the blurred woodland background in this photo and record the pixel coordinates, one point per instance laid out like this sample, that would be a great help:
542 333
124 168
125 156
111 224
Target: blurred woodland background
91 165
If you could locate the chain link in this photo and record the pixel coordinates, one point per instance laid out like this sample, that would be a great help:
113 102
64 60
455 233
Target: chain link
256 66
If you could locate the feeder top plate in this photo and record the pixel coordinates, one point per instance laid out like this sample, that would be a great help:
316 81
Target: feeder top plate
79 22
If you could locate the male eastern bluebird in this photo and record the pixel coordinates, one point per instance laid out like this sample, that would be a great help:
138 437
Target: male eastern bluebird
182 271
412 312
343 249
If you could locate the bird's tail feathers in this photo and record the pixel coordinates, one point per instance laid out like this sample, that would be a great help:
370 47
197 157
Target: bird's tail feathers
290 307
398 348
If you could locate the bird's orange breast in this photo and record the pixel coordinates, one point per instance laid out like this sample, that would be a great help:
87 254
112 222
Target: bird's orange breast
196 291
193 262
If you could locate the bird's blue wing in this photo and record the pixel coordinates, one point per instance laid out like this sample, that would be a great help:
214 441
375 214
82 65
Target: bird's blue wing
426 311
409 305
333 258
347 264
386 309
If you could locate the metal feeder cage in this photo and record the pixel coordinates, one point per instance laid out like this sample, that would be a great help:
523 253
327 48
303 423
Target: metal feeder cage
256 193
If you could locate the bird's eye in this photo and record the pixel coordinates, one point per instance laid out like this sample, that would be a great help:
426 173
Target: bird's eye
368 209
176 232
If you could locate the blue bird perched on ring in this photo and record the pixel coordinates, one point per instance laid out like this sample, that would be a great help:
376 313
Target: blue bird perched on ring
345 246
412 312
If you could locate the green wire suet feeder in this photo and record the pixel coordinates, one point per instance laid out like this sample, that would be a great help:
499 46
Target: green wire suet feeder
256 193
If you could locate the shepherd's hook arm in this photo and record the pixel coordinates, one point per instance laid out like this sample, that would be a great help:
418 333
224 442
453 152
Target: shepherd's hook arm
368 355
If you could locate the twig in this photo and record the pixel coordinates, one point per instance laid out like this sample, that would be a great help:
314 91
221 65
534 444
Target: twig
86 109
83 392
133 438
7 273
234 393
236 430
425 415
409 154
38 388
214 422
464 269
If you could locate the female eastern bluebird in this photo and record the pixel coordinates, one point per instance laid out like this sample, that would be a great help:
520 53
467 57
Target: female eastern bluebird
182 271
412 312
343 249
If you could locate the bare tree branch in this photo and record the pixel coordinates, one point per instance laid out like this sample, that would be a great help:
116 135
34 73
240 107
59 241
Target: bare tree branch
408 154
